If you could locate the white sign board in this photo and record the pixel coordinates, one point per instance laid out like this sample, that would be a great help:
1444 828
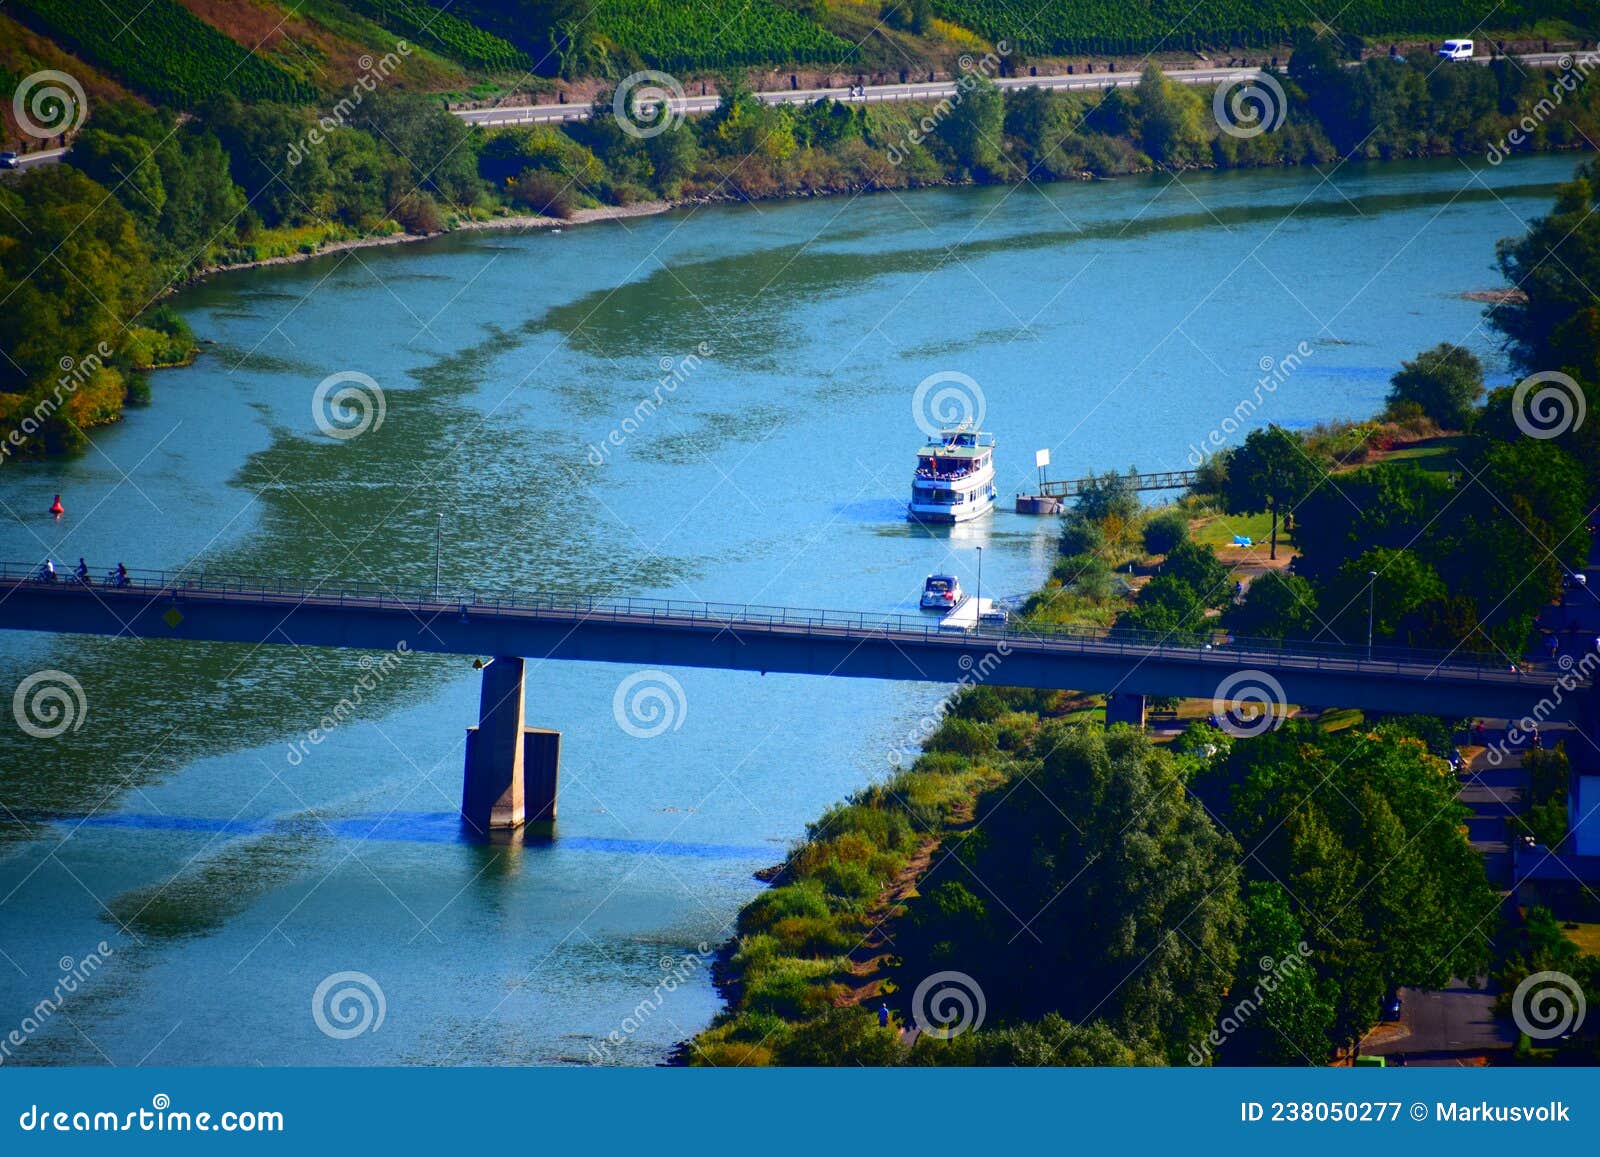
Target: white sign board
1041 458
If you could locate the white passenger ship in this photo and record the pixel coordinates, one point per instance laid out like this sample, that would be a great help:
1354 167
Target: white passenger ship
955 477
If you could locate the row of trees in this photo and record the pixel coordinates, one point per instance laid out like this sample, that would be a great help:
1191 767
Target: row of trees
146 198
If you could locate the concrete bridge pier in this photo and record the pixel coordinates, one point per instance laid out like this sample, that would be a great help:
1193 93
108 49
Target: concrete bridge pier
1125 707
511 769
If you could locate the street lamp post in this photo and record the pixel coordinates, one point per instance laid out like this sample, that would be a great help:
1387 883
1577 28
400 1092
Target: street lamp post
978 617
1372 584
438 556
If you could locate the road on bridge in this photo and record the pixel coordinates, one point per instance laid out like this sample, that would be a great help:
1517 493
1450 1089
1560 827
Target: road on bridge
192 607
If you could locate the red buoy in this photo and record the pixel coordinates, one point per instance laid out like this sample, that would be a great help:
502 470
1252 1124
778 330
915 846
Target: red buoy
56 508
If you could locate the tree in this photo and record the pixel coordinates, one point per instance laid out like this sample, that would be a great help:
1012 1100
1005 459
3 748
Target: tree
1269 472
172 177
673 155
975 125
1199 567
260 139
1283 1017
1279 605
1521 519
1443 383
432 148
1557 325
1109 496
1082 535
1404 585
1126 884
1390 504
70 279
1556 328
124 164
1038 119
1378 869
1166 606
1170 119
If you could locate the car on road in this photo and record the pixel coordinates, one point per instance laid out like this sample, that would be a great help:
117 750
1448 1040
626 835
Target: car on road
10 160
1456 50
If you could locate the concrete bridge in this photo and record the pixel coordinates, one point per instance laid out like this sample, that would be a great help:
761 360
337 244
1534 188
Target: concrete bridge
511 769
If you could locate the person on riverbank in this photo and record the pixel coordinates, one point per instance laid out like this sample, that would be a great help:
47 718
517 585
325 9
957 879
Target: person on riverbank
883 1016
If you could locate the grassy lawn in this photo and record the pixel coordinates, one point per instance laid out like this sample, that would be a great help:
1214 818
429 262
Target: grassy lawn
1340 719
1586 937
1217 530
1436 454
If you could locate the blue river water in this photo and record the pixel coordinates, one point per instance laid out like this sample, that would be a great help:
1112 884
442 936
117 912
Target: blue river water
229 866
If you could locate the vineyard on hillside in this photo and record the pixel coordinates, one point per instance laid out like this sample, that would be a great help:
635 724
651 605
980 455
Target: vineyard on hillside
448 35
1120 27
688 34
163 50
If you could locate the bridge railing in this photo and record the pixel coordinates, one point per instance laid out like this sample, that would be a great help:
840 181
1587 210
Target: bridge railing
1159 480
1204 646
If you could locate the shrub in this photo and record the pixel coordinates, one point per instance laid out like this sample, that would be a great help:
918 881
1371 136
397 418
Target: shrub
842 1036
789 987
1014 729
545 194
802 899
756 1028
1088 575
878 827
846 880
730 1055
962 736
980 704
1165 531
811 936
419 213
1080 535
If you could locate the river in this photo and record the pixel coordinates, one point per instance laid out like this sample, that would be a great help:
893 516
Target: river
230 866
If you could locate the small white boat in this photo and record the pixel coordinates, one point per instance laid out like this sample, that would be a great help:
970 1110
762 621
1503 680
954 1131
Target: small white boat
941 592
955 477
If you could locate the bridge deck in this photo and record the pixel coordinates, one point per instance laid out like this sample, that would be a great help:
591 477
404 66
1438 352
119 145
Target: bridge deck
241 609
1161 480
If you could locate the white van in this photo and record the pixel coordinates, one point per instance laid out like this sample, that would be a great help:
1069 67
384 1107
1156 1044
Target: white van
1456 50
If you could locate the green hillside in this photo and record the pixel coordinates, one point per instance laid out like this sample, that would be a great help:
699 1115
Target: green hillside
166 52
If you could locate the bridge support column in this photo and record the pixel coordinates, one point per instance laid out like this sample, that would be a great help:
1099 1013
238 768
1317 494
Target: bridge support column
1125 707
511 769
541 764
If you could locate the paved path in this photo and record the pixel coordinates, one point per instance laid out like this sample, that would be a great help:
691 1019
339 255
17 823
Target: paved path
1459 1020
